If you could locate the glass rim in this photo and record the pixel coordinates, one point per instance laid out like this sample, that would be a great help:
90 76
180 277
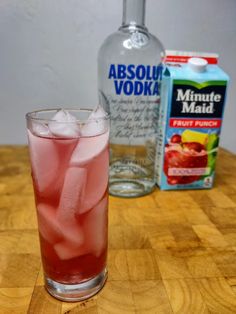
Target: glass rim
30 115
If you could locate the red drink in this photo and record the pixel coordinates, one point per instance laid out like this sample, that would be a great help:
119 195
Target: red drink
70 178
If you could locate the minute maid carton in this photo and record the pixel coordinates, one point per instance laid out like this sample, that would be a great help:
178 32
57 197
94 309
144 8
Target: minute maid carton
192 104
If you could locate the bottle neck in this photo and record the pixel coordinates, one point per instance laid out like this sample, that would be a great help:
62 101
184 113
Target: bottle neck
133 13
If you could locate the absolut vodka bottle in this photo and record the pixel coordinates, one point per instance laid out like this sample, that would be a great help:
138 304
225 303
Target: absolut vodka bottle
129 75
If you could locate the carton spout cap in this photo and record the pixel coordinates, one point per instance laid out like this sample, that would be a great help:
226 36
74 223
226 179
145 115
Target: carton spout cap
198 64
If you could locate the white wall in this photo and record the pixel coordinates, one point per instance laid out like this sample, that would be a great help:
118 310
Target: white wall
48 51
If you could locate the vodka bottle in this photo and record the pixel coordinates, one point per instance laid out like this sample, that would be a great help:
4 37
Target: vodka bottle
129 75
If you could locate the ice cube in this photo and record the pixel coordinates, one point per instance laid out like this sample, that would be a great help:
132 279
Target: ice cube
97 113
66 251
96 124
64 124
40 129
72 232
48 225
89 148
72 193
44 161
97 182
95 235
95 227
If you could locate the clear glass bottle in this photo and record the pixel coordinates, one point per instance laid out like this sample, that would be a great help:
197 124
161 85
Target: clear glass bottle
129 75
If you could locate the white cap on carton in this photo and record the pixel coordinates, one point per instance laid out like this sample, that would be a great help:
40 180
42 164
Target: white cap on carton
198 64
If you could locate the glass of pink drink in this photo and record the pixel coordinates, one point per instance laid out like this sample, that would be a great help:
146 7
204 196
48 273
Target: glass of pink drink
70 161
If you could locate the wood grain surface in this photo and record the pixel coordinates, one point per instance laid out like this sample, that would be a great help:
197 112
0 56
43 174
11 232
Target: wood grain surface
169 252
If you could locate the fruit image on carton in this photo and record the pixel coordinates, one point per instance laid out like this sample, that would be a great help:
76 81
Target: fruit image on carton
192 104
194 136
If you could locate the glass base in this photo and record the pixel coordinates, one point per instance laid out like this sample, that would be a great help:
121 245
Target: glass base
76 292
130 188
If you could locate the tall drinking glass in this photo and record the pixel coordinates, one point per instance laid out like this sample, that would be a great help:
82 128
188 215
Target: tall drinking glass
69 161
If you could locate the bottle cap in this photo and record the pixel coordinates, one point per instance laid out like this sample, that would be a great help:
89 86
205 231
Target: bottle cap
198 64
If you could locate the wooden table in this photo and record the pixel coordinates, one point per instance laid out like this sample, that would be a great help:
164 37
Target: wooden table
169 252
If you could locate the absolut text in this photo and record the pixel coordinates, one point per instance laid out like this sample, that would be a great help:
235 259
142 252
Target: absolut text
136 79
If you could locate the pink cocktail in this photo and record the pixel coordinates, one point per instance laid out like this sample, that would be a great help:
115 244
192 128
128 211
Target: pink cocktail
70 160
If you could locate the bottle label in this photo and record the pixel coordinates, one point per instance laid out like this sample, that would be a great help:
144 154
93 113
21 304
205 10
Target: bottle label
135 79
133 100
197 105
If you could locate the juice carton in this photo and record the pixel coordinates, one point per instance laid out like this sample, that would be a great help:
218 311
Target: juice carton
191 111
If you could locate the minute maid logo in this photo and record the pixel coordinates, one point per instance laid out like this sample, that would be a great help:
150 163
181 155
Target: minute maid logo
135 79
198 98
